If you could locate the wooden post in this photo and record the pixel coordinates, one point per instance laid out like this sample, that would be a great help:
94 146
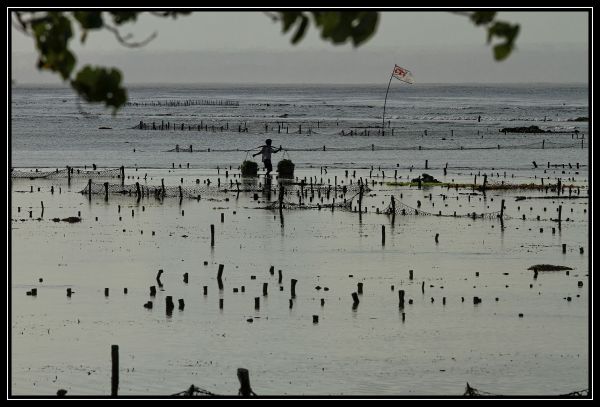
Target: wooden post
122 175
280 276
244 378
502 215
265 285
169 304
114 382
162 182
559 215
257 303
293 287
410 274
564 248
360 195
355 299
106 191
219 276
185 278
360 288
212 235
158 277
401 298
382 235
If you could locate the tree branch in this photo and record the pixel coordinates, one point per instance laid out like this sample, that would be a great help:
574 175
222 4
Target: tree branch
21 28
272 16
123 40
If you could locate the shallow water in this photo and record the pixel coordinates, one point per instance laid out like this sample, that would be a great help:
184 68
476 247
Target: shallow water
61 342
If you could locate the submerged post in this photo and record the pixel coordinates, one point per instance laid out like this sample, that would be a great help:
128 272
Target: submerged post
502 214
114 383
559 215
360 195
220 275
293 287
244 378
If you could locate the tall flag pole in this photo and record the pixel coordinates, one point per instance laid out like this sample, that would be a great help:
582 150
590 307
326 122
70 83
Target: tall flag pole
399 73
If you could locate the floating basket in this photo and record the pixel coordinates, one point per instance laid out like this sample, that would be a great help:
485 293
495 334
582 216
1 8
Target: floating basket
249 169
285 168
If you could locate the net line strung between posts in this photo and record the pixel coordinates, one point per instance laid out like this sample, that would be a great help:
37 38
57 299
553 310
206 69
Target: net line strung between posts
373 147
75 173
193 192
473 392
406 210
303 203
193 391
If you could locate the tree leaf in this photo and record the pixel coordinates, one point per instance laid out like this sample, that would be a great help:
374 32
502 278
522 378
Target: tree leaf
483 17
89 19
288 19
301 30
52 34
99 84
366 27
502 51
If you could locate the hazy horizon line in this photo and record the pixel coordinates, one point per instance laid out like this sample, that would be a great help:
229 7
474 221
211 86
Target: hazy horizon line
304 83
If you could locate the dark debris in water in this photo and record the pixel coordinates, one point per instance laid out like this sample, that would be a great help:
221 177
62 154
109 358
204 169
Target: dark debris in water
70 219
548 267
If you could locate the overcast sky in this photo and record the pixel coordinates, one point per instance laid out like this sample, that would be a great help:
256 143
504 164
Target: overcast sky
247 47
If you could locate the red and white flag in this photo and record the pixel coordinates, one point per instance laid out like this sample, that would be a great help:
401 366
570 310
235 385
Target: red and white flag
403 74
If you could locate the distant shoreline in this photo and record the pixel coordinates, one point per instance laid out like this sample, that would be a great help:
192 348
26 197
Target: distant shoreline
187 85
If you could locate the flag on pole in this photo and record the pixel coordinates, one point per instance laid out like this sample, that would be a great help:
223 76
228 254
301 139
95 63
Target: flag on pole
403 74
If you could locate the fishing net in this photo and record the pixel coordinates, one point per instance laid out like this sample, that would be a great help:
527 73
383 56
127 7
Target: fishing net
193 391
190 102
400 208
373 147
75 173
473 392
295 194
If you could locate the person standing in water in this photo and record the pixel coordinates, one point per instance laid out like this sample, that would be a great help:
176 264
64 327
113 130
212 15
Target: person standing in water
266 151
